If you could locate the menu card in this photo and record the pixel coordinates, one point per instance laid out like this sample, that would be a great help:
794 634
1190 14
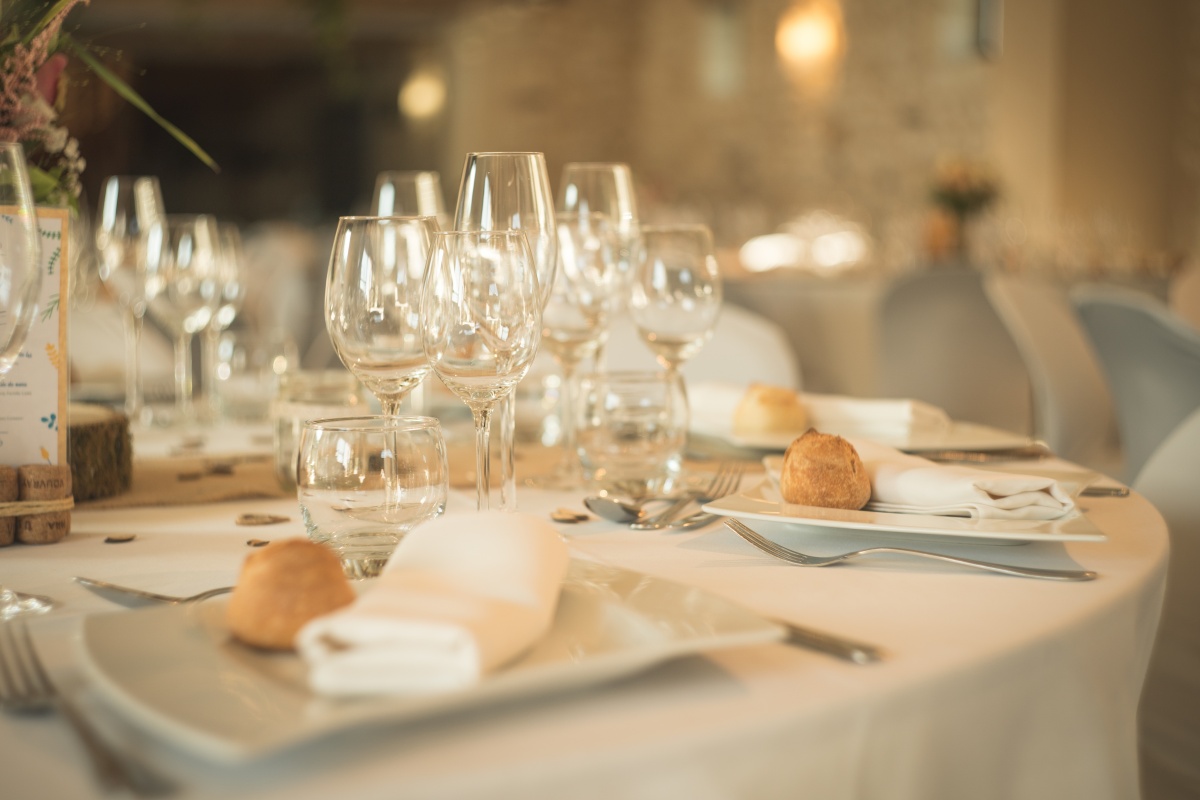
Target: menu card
33 395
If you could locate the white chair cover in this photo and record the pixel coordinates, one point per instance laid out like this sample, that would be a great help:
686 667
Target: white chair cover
1151 359
745 348
941 341
1169 714
1183 295
1072 405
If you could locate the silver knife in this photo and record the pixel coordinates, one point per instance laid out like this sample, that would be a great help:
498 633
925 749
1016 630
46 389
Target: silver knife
837 646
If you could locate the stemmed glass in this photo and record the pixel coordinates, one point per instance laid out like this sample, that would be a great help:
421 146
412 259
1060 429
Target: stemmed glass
20 284
482 323
373 302
129 208
183 288
676 293
403 193
231 291
511 191
575 319
595 187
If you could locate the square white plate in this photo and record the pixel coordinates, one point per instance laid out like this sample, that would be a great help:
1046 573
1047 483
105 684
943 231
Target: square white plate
176 671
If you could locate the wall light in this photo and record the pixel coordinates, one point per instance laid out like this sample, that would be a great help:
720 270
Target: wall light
423 94
810 41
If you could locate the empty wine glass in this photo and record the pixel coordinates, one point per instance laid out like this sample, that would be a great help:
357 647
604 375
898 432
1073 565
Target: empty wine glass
511 191
482 323
231 291
404 193
183 291
20 285
373 302
129 207
594 187
575 319
676 293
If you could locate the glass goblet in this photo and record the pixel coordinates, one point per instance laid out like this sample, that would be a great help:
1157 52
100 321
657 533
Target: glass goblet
130 205
511 191
373 302
231 291
482 317
404 193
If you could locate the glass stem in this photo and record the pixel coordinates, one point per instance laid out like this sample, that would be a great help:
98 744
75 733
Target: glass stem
390 407
508 452
133 373
483 467
570 458
183 377
210 343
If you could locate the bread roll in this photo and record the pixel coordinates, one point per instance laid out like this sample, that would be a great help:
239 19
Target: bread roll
282 587
820 469
769 409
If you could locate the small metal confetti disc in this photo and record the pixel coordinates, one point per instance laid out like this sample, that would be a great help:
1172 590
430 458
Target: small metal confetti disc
189 476
260 519
120 538
567 515
257 542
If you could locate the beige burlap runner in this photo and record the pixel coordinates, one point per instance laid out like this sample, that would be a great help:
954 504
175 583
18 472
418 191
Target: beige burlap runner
189 481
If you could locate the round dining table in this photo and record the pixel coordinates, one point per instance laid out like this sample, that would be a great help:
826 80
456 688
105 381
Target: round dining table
990 686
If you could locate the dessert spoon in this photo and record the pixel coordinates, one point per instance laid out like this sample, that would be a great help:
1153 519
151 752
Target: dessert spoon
134 598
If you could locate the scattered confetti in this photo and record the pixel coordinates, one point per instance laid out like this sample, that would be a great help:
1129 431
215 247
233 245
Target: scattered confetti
567 515
188 476
257 542
260 519
120 538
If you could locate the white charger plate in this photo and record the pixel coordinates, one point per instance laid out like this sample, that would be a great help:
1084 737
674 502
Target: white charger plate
175 670
763 502
968 436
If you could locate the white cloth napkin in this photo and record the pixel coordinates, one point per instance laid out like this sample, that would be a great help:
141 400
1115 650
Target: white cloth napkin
713 403
910 484
461 596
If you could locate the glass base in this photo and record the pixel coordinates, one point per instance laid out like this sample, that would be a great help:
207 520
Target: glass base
14 604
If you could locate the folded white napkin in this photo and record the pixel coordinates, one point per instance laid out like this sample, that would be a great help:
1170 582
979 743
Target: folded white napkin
713 403
910 484
462 595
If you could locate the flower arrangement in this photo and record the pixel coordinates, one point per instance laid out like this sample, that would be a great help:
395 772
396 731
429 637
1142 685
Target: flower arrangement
34 51
964 188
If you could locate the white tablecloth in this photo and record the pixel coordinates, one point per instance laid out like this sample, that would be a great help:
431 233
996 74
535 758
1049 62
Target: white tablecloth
994 687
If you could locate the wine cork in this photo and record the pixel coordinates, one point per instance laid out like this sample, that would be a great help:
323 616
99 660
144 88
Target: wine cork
44 482
8 493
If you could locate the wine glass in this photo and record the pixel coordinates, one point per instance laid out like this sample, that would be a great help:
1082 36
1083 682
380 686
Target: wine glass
676 293
482 323
129 207
183 290
20 285
511 191
373 302
231 291
404 193
594 187
575 319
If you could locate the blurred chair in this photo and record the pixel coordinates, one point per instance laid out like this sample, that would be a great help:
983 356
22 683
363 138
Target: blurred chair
1169 712
1183 295
941 341
1152 361
1072 404
745 348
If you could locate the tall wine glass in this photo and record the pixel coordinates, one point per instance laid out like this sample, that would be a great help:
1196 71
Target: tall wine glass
604 187
129 207
373 302
482 323
406 193
231 291
575 319
183 288
20 285
511 191
676 293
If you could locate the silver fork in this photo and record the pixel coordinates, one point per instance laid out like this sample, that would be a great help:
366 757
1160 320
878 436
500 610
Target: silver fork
725 481
804 560
25 688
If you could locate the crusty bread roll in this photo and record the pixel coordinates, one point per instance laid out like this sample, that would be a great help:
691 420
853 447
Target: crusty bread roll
820 469
282 587
769 409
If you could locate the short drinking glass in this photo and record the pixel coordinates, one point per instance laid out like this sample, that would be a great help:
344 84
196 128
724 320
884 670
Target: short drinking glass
364 482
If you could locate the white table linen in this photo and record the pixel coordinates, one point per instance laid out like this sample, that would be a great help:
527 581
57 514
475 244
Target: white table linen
994 687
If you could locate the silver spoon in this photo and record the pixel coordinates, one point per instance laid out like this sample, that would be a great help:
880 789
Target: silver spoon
135 598
617 509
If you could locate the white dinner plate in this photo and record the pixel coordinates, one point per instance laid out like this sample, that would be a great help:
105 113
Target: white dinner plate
764 503
957 436
175 671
